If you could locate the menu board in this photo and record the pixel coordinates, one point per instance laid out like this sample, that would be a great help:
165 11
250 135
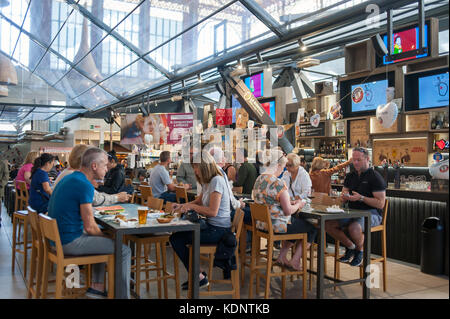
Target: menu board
409 151
307 130
358 133
417 122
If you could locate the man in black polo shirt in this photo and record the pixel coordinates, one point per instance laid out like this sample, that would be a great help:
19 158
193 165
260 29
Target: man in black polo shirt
364 189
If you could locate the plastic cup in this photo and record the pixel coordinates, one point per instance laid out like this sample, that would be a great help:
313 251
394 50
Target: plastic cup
142 215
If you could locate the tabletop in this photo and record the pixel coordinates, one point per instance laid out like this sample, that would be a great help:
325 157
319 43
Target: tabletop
320 211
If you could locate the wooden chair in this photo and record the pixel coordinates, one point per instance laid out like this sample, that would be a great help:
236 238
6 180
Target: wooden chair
383 258
22 196
55 255
244 258
323 199
261 214
169 207
146 192
209 251
143 262
181 192
238 189
37 256
20 238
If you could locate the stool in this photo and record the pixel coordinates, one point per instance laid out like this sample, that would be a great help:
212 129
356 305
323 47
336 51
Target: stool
209 251
37 256
22 196
20 219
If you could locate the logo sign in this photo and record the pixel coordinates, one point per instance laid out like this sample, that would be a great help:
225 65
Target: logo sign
357 94
443 168
437 156
442 144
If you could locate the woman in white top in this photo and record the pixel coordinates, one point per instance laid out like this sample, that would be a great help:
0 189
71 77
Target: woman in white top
296 178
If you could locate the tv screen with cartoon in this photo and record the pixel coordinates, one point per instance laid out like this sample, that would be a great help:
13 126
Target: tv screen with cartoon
367 96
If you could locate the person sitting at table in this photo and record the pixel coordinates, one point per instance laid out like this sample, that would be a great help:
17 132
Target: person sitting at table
160 181
246 175
363 189
296 178
24 174
214 203
71 206
40 190
321 175
100 199
115 178
185 173
272 191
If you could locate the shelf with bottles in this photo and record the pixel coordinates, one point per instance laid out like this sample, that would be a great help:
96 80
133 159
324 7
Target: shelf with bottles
332 148
439 121
440 142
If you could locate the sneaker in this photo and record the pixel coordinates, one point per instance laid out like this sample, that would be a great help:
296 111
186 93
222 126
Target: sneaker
185 285
349 253
358 259
96 294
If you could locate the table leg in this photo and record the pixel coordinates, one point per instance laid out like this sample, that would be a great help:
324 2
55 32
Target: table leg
195 261
366 261
118 292
320 259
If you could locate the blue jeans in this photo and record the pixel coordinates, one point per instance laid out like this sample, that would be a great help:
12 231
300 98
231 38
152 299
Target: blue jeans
168 197
180 240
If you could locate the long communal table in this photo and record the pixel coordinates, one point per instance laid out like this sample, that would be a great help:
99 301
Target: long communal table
151 227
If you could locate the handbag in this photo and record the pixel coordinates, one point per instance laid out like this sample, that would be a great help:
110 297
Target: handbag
194 217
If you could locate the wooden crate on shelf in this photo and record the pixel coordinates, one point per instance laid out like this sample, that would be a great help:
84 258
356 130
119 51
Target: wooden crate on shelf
358 131
417 122
359 57
377 128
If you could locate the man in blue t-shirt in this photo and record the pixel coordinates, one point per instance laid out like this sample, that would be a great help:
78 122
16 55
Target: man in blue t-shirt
71 206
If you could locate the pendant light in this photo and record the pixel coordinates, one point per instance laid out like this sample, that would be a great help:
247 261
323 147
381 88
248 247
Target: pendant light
8 73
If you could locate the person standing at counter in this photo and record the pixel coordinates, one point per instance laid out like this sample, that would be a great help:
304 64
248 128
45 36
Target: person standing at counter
40 190
321 175
296 178
363 189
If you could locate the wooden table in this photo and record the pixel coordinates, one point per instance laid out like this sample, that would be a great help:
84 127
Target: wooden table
320 213
151 227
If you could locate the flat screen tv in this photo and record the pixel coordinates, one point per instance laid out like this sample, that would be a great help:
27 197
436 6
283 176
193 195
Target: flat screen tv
424 90
361 96
255 83
405 41
268 105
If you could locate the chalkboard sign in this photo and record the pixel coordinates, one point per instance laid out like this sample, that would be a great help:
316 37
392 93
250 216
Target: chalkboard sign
307 130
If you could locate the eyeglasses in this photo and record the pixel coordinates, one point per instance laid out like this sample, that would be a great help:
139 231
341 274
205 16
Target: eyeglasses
361 150
289 165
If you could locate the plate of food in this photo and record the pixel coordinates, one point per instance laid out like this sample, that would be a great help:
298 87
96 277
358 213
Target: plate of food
110 210
166 218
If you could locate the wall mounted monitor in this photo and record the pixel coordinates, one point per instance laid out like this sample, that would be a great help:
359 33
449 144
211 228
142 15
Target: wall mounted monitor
255 83
268 105
362 96
405 45
426 90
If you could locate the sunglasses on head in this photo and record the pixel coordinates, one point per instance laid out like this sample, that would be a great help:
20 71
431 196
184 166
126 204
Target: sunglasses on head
361 150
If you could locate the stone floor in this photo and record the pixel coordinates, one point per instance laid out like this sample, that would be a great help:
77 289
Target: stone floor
405 281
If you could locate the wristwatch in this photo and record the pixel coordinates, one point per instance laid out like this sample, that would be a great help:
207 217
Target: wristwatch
361 199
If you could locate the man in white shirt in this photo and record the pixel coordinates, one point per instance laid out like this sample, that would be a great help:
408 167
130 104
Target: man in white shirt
296 178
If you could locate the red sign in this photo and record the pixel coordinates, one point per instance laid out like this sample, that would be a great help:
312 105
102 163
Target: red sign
224 116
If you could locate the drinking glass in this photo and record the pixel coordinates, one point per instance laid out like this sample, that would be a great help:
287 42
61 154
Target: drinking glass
142 214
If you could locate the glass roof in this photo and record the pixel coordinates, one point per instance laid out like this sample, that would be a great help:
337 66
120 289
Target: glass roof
88 54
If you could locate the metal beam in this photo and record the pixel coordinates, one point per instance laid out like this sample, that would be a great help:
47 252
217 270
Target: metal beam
48 118
264 17
74 107
21 27
119 38
43 45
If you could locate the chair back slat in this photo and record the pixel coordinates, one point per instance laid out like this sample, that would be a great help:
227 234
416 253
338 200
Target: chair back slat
237 225
180 192
385 211
35 227
261 213
23 189
155 203
50 232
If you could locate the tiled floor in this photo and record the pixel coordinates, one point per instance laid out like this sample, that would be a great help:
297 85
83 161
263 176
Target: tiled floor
404 280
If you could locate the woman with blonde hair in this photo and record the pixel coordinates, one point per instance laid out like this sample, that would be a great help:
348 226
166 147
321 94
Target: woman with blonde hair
75 164
320 174
214 203
24 174
273 192
296 178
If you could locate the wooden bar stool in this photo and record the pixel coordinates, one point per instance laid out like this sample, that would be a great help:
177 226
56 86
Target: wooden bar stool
261 214
383 258
55 255
143 245
22 195
37 256
244 258
209 251
181 193
20 238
